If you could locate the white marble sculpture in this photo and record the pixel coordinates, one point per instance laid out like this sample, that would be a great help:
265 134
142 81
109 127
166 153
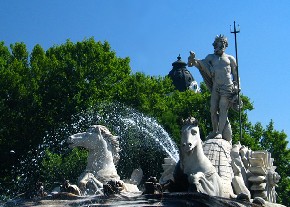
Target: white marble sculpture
220 75
236 168
239 181
195 164
218 152
103 150
263 177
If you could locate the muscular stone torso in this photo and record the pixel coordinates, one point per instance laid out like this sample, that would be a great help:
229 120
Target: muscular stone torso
221 69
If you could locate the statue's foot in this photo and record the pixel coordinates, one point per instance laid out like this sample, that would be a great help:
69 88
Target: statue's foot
211 135
218 136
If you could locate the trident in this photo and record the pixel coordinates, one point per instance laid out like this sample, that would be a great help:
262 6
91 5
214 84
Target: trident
237 68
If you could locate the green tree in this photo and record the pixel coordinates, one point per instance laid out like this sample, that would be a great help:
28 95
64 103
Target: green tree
15 105
57 167
41 93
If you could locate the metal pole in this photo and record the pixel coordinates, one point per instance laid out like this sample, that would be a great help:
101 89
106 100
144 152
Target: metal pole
237 68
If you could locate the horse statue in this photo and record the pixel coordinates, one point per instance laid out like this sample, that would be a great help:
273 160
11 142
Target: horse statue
194 167
103 155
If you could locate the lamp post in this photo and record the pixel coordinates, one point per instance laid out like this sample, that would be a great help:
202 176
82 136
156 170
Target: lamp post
181 77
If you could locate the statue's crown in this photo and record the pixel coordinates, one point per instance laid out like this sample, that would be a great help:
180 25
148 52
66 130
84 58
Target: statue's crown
219 38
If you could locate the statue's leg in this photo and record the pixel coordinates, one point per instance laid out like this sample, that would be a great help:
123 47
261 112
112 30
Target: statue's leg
223 113
214 104
227 132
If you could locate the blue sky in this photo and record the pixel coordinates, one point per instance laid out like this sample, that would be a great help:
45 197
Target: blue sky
154 33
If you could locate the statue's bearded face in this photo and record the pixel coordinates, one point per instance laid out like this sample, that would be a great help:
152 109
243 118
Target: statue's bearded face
220 47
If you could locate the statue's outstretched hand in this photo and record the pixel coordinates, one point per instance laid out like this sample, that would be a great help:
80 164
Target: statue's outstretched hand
191 59
192 54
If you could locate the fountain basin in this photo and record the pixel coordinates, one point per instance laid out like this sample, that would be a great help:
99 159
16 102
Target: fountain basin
126 200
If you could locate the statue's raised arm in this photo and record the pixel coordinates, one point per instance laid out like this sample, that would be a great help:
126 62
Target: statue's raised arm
191 59
203 66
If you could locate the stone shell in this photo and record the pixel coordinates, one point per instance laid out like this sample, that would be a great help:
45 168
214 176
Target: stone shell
218 152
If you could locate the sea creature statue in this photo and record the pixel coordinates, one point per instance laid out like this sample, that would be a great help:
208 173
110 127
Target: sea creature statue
103 157
201 174
239 180
250 175
263 177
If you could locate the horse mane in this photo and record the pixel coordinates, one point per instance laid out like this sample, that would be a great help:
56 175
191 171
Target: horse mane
113 142
189 121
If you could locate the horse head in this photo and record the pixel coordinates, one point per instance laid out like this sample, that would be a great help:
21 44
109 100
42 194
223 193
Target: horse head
88 139
96 138
190 135
103 154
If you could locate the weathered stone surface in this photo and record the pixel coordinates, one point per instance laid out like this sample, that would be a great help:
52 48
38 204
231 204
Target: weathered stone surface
257 179
257 161
262 194
258 170
218 152
261 186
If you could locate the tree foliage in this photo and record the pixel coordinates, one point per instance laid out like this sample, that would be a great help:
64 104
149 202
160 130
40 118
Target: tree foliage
57 167
41 92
